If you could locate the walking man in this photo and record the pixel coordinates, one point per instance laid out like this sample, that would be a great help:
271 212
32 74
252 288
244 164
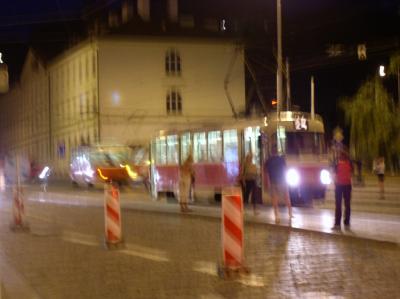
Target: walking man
276 168
343 173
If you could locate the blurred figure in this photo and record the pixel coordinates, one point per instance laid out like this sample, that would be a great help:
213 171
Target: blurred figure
276 169
2 180
249 178
379 170
44 177
186 174
360 180
343 173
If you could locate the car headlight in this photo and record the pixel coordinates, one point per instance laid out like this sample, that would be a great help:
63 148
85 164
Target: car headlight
292 177
325 177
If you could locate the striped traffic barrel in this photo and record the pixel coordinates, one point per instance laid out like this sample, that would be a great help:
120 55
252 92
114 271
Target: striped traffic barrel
232 228
112 213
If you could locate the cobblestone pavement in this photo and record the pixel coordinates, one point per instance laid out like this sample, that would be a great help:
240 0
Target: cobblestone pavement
176 256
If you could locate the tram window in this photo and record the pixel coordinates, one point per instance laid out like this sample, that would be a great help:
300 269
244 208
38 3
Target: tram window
304 143
199 147
140 155
160 151
214 146
231 151
251 137
185 146
172 149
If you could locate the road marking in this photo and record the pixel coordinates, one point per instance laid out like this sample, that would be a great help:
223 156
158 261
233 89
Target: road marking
210 268
145 255
131 249
79 238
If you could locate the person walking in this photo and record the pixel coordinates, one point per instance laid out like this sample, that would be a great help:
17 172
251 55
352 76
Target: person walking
186 175
379 169
343 173
276 169
249 178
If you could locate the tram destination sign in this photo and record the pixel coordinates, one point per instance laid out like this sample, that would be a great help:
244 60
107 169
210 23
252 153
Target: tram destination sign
300 122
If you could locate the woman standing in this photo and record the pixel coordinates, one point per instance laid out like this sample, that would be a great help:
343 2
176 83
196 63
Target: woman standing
186 175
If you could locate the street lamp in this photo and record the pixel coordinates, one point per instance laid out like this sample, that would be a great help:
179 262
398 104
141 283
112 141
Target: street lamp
382 71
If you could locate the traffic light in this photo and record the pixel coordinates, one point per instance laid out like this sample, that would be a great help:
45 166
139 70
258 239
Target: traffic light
274 102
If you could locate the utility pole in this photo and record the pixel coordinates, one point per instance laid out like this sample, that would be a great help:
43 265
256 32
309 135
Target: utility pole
288 96
279 58
312 98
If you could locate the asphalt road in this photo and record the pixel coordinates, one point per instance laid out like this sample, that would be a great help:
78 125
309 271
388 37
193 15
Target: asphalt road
176 256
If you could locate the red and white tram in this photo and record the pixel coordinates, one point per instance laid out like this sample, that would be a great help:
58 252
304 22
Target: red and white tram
218 150
301 138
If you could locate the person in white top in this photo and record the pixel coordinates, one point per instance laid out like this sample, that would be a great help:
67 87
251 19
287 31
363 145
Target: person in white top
379 169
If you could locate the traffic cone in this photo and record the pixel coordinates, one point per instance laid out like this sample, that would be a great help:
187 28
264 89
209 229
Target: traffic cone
112 213
18 222
232 233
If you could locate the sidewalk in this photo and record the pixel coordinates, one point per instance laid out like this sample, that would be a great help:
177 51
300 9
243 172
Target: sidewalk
381 227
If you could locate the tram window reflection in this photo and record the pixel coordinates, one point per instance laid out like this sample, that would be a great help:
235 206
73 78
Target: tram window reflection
185 146
214 146
200 147
161 151
172 149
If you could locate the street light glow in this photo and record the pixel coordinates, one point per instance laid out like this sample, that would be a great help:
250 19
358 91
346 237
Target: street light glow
382 71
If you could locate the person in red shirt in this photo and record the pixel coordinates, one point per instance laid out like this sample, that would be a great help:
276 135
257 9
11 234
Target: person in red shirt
343 171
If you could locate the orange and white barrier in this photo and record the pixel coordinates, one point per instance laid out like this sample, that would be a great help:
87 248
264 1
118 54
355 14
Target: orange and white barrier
232 228
18 207
112 213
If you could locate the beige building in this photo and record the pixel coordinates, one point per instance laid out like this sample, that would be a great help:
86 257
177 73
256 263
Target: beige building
24 111
120 90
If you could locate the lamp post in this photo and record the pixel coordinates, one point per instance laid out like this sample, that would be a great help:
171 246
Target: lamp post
279 58
382 72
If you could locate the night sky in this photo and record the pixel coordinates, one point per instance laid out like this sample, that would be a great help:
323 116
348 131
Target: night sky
309 26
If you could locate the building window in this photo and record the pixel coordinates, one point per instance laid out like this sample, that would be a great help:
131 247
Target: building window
173 62
174 102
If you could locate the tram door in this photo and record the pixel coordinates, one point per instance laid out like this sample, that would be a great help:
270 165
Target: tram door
252 144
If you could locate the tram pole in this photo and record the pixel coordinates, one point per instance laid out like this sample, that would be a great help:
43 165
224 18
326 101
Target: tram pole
279 59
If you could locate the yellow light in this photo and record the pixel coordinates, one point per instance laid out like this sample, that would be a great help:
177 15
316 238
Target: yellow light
132 174
101 175
148 162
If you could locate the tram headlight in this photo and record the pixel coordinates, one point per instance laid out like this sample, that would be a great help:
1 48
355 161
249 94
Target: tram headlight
325 177
292 177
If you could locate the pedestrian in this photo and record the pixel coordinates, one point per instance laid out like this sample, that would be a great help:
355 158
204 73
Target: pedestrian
359 172
186 175
276 169
379 169
343 172
249 179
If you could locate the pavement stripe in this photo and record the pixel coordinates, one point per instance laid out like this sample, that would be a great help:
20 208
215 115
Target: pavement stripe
145 255
210 268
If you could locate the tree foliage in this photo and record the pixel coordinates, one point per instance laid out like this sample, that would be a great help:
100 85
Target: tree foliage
374 127
394 64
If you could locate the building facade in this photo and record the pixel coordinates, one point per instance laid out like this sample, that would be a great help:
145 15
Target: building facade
24 113
120 90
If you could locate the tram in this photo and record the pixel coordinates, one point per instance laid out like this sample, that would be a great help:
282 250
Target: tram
300 137
219 149
94 165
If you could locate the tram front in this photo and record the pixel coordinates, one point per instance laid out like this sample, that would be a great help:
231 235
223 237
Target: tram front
300 138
